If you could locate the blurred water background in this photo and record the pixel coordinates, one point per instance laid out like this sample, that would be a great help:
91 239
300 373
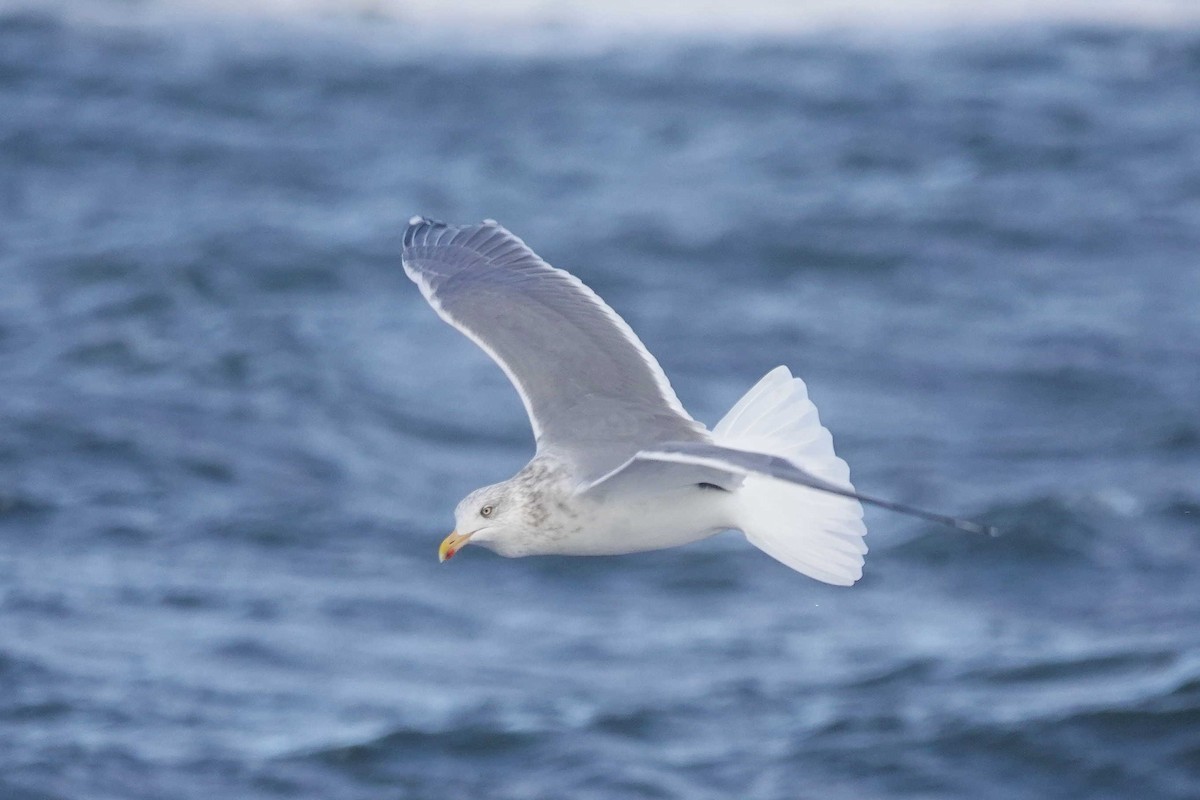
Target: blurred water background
232 433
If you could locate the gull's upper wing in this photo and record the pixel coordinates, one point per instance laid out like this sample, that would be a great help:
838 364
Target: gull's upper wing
594 394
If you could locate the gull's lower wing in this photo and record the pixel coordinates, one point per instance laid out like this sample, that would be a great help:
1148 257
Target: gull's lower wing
655 473
676 461
593 393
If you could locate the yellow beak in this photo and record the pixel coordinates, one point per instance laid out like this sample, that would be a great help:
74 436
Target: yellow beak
451 545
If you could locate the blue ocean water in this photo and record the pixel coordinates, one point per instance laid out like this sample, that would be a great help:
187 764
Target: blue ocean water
232 433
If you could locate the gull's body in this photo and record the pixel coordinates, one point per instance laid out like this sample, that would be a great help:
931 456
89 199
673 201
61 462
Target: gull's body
562 521
621 466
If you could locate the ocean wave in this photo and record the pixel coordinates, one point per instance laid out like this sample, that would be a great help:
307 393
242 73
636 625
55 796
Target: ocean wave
17 505
1047 531
393 755
1144 747
15 669
1081 667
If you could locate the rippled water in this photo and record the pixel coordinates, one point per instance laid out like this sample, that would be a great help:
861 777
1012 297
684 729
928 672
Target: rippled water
232 433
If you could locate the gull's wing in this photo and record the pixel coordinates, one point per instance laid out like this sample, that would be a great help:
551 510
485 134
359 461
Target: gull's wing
673 463
662 471
594 394
766 497
819 533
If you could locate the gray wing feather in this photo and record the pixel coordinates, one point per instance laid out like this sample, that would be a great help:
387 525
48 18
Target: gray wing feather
647 473
677 461
593 393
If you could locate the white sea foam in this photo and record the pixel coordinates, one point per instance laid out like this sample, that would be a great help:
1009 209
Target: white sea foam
667 17
747 15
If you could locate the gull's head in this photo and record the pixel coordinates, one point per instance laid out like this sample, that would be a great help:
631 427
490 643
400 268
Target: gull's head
493 516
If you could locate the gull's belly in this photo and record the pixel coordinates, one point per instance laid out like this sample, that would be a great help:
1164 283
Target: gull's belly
648 522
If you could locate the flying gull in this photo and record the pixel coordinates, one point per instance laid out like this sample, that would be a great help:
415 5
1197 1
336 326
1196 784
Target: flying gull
620 466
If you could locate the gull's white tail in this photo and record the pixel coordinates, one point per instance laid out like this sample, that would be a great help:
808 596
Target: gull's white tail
814 532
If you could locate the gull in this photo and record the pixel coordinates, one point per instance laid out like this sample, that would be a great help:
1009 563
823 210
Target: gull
620 466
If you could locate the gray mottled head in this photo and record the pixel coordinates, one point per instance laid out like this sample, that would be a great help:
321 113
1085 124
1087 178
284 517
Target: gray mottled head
495 516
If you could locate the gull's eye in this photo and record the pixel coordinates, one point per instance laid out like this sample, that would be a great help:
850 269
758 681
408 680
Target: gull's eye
486 511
